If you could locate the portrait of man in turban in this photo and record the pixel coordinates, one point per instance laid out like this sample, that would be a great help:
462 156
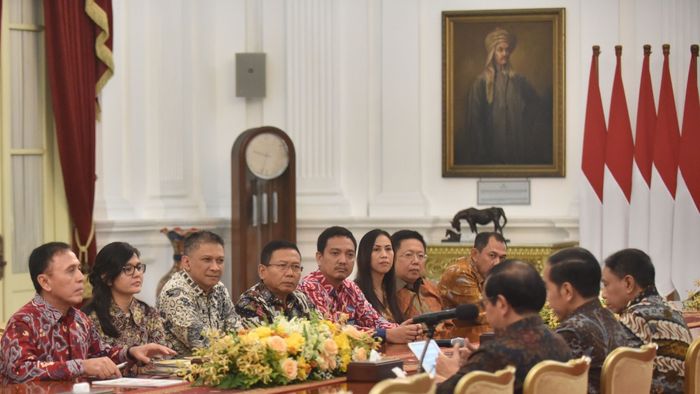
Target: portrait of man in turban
506 120
503 92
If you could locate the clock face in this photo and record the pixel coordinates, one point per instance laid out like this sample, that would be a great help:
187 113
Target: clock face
267 156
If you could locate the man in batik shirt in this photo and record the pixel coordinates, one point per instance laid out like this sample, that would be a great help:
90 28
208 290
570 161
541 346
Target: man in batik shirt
514 293
194 301
629 290
416 294
49 339
463 281
334 295
276 293
573 277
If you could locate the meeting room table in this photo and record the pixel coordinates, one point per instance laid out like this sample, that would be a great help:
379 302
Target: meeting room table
330 386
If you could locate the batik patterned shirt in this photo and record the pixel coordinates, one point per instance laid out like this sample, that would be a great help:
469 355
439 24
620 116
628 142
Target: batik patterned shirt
651 319
141 325
346 299
188 312
461 283
422 297
522 344
41 343
593 331
258 305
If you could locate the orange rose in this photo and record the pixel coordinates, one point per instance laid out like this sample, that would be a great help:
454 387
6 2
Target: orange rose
289 367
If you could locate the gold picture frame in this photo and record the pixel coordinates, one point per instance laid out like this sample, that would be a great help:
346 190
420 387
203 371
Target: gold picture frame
503 93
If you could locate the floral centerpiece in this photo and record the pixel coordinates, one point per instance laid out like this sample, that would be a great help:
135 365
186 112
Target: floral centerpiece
286 351
692 303
548 316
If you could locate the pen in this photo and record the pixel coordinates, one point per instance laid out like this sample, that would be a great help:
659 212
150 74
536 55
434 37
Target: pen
122 365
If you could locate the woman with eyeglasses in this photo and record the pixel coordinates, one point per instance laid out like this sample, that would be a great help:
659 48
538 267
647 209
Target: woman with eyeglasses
119 317
375 274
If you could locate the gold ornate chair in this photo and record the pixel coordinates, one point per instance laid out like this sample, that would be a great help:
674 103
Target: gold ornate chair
551 376
628 370
692 368
416 384
480 382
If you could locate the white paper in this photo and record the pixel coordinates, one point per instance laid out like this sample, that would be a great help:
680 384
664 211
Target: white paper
430 356
137 382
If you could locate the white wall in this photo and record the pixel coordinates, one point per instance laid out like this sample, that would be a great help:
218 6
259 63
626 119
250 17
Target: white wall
357 84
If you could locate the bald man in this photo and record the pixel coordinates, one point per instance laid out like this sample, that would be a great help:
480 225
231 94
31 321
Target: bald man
507 122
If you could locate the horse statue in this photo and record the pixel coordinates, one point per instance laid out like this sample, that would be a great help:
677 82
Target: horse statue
473 217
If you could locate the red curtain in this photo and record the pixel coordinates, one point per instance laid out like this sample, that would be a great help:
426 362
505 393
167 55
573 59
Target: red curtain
74 70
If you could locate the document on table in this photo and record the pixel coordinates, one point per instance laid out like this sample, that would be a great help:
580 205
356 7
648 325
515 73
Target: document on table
430 356
137 382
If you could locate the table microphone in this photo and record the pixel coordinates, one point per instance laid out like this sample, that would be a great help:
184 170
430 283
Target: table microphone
461 312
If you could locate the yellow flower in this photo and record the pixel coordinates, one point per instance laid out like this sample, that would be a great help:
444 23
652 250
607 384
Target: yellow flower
331 326
295 342
277 344
262 331
289 367
342 342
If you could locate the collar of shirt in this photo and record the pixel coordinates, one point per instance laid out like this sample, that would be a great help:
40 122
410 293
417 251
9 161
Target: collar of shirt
650 291
267 295
584 309
328 286
195 286
51 313
526 323
415 287
475 270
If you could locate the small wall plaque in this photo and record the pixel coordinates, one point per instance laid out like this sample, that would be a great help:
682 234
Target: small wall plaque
503 192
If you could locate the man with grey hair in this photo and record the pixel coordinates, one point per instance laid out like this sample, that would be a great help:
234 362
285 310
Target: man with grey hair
507 122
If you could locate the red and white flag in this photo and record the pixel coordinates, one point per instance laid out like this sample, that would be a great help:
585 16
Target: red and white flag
641 170
592 165
686 222
619 152
663 181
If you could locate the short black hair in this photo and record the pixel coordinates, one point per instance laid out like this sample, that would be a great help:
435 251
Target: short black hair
519 283
330 232
482 239
272 246
40 258
577 266
402 235
193 240
632 262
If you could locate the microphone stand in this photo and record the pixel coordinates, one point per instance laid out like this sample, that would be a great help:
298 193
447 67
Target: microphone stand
429 335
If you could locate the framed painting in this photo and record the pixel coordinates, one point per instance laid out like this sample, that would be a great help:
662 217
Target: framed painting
503 93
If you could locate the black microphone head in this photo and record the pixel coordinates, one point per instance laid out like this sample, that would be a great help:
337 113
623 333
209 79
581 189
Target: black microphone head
467 312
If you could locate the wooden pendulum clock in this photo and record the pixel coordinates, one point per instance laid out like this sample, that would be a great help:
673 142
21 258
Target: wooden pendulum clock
263 199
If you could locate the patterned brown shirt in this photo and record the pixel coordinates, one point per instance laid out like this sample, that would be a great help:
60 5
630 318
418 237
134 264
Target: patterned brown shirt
593 331
422 297
461 283
141 325
522 344
651 319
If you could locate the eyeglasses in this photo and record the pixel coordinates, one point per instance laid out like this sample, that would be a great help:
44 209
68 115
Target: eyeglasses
131 269
284 267
413 255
